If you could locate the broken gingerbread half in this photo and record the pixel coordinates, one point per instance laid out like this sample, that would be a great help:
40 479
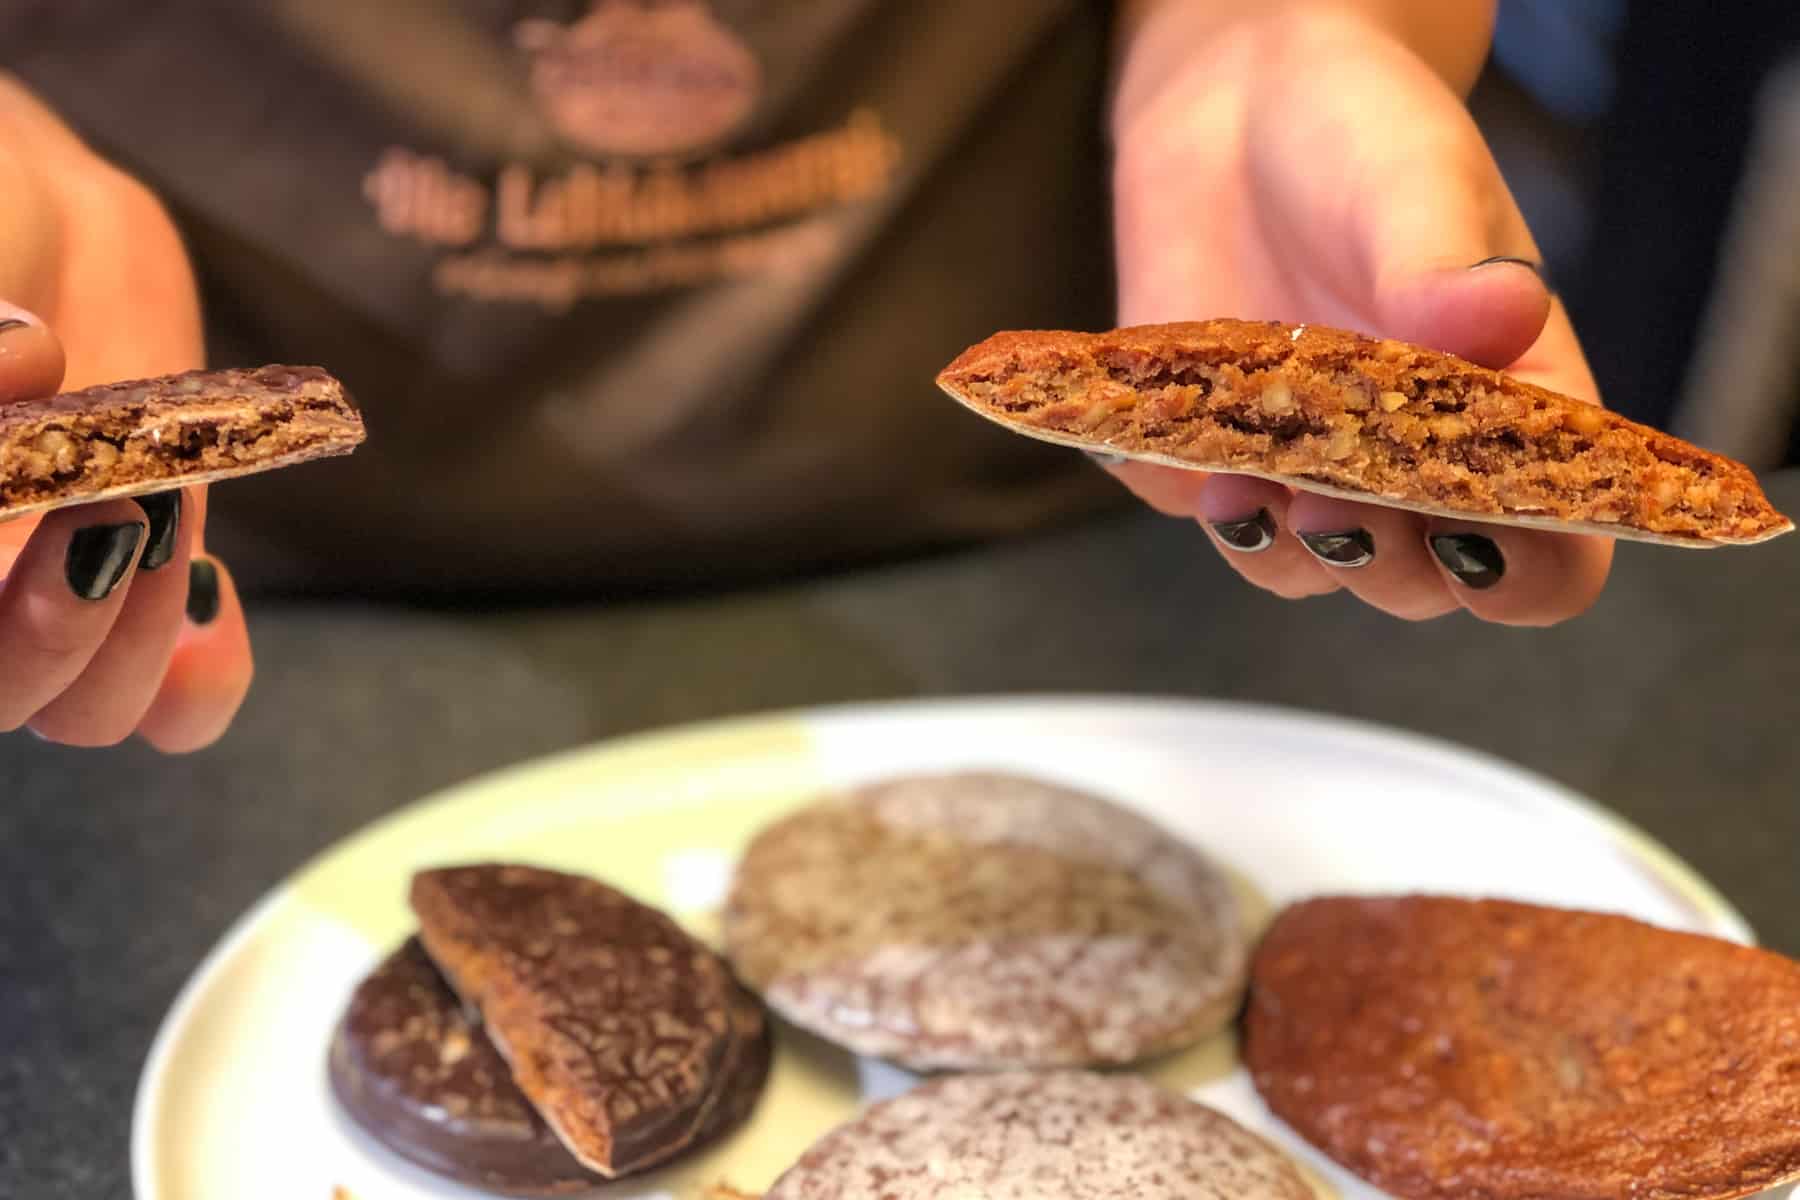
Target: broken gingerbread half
150 435
622 1031
1444 1048
1365 419
410 1067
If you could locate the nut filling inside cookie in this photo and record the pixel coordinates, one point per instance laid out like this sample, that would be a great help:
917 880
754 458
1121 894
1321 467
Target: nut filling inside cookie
147 435
1396 422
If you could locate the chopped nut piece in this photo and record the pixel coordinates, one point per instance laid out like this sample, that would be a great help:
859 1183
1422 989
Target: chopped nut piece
1278 398
1392 401
59 448
1447 427
1586 420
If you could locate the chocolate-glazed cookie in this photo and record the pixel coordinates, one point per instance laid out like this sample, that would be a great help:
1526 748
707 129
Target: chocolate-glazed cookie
625 1033
982 921
1066 1135
150 435
418 1076
410 1069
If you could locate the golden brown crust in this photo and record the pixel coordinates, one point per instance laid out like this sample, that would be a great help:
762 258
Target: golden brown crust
1388 421
121 439
1444 1049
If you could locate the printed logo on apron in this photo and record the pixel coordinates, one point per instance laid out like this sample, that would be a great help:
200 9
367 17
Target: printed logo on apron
649 93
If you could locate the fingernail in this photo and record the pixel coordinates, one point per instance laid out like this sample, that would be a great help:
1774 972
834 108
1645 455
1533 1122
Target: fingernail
164 511
1104 459
1529 264
100 556
1248 535
1346 548
1474 560
203 591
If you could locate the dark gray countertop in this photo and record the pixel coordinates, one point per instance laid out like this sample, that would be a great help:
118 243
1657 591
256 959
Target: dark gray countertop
1676 702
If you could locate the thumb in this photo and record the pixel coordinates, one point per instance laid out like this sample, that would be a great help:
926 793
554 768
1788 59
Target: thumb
31 357
1453 266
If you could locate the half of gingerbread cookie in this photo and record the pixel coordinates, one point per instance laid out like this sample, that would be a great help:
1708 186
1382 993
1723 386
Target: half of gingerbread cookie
1367 419
620 1029
411 1068
149 435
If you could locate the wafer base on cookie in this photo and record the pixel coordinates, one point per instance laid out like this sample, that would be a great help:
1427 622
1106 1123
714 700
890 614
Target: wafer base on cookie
1365 419
141 436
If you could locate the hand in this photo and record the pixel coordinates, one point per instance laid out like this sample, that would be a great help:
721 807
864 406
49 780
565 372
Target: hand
109 623
1307 167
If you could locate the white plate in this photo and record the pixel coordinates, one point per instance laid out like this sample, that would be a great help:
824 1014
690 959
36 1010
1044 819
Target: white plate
233 1102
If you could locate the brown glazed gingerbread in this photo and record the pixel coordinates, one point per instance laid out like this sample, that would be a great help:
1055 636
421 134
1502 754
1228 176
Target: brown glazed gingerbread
414 1073
621 1030
410 1069
1072 1135
980 920
146 435
1444 1049
1339 412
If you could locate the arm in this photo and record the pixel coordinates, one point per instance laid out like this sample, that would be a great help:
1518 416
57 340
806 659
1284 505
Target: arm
96 637
1312 161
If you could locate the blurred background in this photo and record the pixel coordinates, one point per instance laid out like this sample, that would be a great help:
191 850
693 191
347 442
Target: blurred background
1655 149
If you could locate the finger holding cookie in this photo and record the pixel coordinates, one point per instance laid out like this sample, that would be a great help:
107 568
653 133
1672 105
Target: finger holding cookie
1312 165
112 619
104 705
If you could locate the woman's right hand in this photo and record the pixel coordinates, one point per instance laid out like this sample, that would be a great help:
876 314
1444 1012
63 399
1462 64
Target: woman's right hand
113 621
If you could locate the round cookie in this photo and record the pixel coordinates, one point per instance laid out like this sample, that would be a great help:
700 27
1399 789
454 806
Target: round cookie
1442 1048
414 1073
1065 1135
981 921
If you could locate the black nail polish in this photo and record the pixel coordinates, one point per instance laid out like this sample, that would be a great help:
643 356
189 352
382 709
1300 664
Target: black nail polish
1104 459
1345 548
203 591
1248 535
164 511
12 323
100 556
1474 560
